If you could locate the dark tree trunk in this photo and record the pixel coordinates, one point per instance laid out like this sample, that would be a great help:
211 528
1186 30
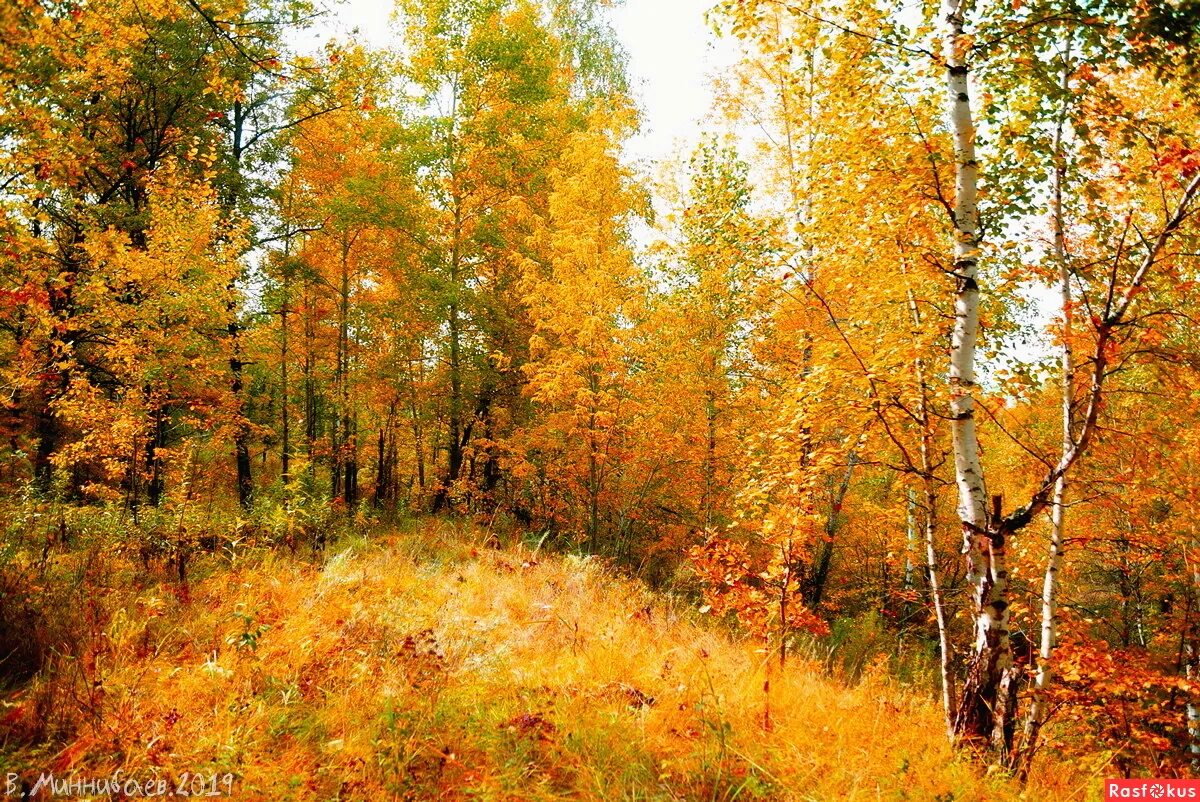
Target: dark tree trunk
310 392
285 454
241 433
154 468
818 579
49 433
351 431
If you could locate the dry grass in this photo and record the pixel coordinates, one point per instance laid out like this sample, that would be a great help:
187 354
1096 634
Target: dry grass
419 667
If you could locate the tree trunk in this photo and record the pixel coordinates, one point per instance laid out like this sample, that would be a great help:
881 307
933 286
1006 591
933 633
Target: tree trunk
380 469
939 608
385 465
1192 673
710 453
930 488
60 296
910 538
418 431
815 587
285 454
345 475
456 440
491 463
241 432
595 479
48 431
310 392
352 462
1039 705
1191 666
986 707
157 439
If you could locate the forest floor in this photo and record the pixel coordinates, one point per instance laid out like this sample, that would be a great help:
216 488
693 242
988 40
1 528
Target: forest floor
421 665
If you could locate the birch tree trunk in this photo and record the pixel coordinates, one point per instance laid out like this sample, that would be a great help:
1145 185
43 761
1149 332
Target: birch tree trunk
939 607
930 488
967 468
1078 434
986 710
910 537
1191 671
989 693
1039 707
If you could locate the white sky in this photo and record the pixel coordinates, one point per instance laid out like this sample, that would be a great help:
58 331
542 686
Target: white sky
671 53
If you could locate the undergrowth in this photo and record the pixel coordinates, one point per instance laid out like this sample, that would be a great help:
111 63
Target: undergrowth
423 663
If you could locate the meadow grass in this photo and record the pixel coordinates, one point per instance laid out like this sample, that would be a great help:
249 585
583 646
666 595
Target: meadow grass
421 664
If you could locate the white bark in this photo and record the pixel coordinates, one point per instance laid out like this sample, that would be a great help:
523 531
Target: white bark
930 526
1193 714
910 545
989 693
939 608
1076 439
967 468
989 690
1039 707
1191 671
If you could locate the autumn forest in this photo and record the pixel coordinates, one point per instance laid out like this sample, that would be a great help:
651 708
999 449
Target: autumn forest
374 426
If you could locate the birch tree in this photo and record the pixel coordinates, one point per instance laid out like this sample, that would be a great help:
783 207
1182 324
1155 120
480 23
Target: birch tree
972 42
988 704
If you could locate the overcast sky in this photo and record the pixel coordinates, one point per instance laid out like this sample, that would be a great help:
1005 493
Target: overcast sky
671 51
671 54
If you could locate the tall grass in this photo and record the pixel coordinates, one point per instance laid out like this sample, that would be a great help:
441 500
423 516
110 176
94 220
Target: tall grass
421 664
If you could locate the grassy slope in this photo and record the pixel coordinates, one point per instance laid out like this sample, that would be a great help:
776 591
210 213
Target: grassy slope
419 667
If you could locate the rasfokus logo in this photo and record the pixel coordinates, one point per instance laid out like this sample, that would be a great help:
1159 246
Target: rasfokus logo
1151 789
